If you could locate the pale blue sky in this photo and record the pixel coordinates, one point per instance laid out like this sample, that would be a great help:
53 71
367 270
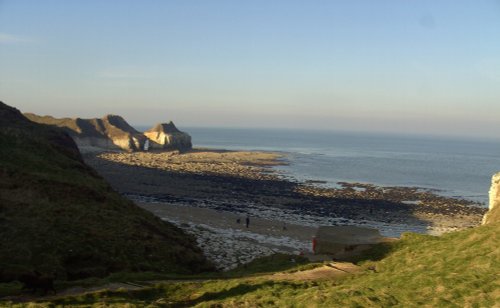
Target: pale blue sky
430 67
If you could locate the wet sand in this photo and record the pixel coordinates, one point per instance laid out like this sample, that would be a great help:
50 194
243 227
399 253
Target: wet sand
228 220
228 243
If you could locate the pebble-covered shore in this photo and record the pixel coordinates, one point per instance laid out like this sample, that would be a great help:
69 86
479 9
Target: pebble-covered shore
245 164
242 183
228 243
228 248
237 180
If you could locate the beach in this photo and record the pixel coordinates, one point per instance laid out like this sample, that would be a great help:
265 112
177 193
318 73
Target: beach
229 243
205 191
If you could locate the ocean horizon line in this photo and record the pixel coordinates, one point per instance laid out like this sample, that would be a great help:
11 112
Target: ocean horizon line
415 136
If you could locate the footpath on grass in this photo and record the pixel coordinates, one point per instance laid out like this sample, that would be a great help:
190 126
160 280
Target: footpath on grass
330 270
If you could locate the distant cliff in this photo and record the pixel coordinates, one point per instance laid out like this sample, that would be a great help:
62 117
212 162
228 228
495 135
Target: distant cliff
167 136
112 132
493 215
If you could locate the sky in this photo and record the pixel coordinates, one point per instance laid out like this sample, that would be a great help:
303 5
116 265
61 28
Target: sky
416 67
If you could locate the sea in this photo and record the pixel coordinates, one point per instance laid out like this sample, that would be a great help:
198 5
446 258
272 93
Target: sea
453 167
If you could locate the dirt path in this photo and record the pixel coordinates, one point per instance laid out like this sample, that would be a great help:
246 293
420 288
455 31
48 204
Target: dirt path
329 271
75 291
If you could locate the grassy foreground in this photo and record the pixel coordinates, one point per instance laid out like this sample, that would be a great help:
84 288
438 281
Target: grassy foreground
459 269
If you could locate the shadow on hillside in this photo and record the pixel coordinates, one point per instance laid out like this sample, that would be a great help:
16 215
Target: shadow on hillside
376 253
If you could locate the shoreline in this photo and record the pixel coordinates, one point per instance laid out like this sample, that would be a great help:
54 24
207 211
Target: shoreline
204 191
228 243
239 179
275 159
263 163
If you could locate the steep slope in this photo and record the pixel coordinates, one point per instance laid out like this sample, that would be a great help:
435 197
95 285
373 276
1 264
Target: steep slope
459 269
110 132
167 136
57 214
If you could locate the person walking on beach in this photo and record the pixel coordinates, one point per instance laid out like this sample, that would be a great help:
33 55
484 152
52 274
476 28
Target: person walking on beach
247 220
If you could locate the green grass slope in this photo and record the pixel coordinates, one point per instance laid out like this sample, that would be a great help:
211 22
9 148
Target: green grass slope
58 215
459 269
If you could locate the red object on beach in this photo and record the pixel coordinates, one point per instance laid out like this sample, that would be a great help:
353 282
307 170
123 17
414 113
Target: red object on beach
314 244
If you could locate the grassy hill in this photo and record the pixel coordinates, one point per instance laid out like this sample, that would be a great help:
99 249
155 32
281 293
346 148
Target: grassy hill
459 269
58 215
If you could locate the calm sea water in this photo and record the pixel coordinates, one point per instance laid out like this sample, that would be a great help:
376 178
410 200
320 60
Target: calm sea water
459 168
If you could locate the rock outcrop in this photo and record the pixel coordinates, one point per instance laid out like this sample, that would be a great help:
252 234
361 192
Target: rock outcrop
167 136
111 132
493 214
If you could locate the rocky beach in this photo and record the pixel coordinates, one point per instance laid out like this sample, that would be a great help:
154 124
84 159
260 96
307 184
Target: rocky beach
205 191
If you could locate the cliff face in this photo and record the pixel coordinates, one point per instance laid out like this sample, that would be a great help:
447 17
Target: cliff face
167 136
111 132
493 215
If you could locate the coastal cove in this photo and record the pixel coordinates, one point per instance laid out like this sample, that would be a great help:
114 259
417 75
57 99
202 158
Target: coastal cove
205 191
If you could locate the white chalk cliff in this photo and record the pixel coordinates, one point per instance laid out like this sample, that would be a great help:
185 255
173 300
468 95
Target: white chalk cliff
111 132
494 205
167 136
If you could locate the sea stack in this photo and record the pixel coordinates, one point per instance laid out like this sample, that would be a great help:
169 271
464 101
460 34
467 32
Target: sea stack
166 136
493 213
111 132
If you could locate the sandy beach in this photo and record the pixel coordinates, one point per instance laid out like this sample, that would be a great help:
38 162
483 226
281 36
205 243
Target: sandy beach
229 243
205 191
